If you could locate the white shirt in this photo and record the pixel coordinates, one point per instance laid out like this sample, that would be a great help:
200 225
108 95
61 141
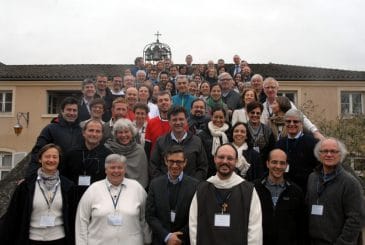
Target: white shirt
92 226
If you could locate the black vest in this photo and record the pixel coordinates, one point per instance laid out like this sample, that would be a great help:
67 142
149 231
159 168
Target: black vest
238 207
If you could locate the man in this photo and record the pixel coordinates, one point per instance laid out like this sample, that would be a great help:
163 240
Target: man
230 97
189 65
235 68
64 131
282 204
138 65
119 110
299 149
183 98
141 77
257 82
152 76
173 73
97 108
271 88
225 209
163 79
334 198
159 125
88 90
197 163
84 164
117 86
198 119
103 92
131 96
128 81
168 200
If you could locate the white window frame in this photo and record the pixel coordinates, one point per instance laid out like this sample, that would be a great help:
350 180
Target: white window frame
2 107
5 168
351 109
286 92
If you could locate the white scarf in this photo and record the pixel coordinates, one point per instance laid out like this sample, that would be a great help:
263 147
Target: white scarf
217 133
242 163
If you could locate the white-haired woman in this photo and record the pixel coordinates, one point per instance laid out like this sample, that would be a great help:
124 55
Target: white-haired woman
112 211
124 143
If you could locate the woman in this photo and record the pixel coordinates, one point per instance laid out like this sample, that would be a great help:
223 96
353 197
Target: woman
193 88
214 135
144 97
204 90
276 122
211 76
249 164
240 115
170 86
259 135
215 99
112 211
42 208
124 143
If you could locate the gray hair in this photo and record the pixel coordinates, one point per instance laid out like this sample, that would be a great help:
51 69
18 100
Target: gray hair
182 77
257 76
223 74
271 79
341 147
294 113
141 71
123 123
115 158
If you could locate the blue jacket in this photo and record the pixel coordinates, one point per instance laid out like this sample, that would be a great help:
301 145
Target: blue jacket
183 100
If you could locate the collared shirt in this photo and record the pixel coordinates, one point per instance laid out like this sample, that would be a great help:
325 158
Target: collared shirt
178 141
299 134
178 180
114 190
275 189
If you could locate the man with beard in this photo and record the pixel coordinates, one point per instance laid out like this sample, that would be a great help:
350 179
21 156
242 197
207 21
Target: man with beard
198 119
225 209
84 164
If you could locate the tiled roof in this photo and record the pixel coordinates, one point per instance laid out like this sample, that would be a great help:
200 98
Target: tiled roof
79 72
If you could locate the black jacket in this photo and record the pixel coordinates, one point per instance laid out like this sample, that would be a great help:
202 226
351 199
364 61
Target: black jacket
284 224
60 132
16 221
158 208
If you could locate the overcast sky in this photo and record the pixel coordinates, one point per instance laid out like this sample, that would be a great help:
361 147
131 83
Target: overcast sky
321 33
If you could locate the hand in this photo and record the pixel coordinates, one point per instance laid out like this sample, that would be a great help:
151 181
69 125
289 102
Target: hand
174 240
318 135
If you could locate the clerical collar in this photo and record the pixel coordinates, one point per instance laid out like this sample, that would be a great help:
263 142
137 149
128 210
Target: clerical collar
177 180
299 134
175 139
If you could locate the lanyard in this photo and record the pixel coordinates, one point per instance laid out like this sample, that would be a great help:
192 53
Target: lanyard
51 198
222 202
115 199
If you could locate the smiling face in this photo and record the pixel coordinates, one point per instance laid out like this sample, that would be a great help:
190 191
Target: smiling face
276 165
141 116
177 123
143 94
124 136
97 111
271 88
93 133
131 96
70 112
204 89
216 93
198 108
115 172
175 163
225 161
248 97
329 154
49 161
89 90
119 110
182 85
239 135
254 116
275 107
218 118
163 103
293 125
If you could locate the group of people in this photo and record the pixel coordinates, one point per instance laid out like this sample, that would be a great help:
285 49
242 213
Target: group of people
184 155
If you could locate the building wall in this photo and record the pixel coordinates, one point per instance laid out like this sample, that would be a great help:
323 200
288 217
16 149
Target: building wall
28 96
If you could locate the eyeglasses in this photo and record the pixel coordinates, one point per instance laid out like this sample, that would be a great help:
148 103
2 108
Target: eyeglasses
255 113
292 121
178 162
270 87
332 152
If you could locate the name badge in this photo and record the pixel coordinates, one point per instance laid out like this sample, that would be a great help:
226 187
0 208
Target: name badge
287 169
222 220
115 220
317 210
172 216
257 149
84 180
47 220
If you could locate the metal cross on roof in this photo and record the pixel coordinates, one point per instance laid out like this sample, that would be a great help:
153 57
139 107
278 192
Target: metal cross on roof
157 35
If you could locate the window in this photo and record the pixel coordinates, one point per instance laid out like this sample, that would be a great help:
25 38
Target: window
352 103
6 163
55 98
291 95
6 101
